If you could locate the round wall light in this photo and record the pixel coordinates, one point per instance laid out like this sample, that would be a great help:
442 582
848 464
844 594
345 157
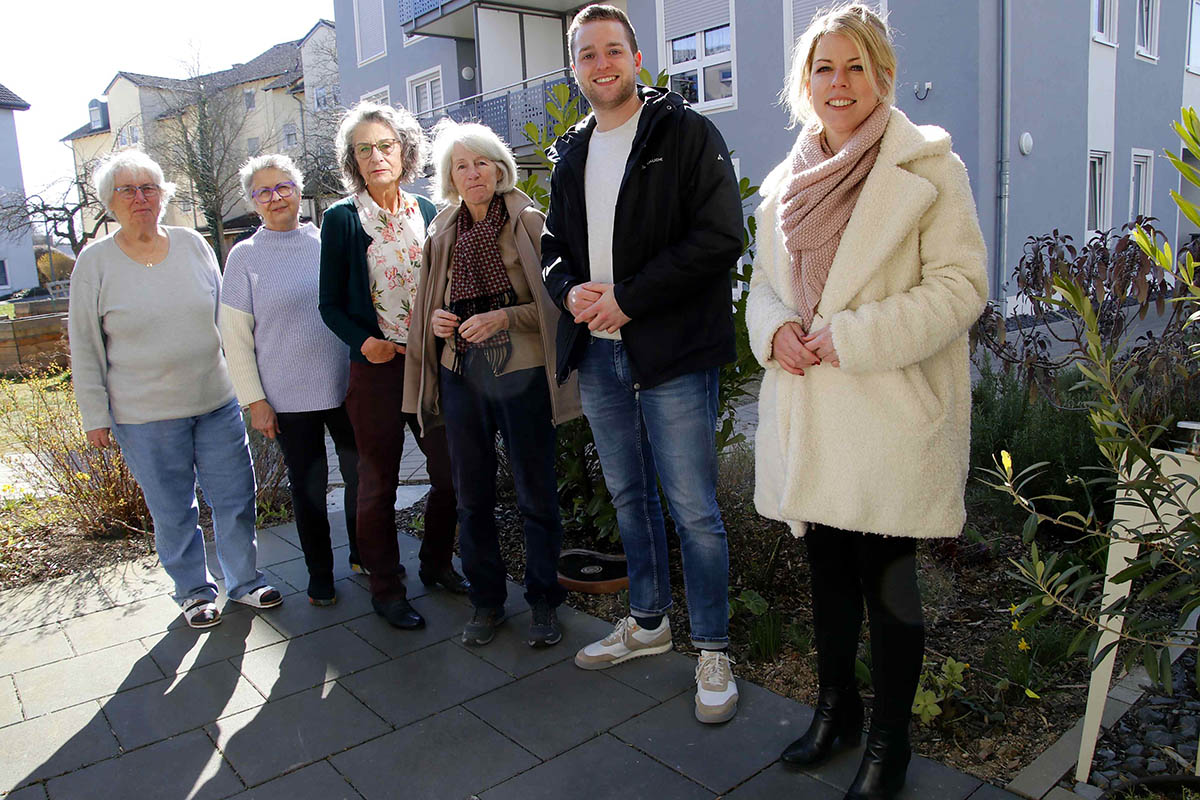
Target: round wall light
1025 143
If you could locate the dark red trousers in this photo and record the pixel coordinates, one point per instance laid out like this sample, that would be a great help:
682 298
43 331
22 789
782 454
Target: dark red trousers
374 404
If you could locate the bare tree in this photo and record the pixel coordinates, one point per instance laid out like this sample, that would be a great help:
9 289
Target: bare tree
320 115
69 209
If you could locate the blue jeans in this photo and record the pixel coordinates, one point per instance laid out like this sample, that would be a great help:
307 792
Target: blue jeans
167 458
476 405
667 434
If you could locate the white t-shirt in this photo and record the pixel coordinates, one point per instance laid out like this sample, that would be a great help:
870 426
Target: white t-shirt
608 152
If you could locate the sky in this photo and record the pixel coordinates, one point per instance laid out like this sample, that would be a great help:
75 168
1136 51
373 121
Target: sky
59 54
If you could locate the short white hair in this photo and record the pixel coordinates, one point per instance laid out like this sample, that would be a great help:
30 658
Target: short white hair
478 139
130 159
257 164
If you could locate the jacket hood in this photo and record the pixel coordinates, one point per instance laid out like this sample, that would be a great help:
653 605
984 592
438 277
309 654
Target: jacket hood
657 102
442 225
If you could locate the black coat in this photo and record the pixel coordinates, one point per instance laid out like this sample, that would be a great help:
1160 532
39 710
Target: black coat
677 234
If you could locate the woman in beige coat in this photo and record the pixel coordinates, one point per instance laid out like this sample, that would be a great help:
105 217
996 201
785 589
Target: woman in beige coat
481 358
870 269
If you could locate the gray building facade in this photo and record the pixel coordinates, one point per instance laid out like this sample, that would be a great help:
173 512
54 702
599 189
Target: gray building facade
18 269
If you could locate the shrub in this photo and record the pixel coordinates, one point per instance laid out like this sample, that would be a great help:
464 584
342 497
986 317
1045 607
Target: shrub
274 499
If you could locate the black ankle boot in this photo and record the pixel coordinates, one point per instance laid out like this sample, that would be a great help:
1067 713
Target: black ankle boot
837 722
884 764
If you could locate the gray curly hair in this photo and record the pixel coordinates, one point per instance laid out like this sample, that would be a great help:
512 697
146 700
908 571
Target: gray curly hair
131 159
414 144
271 160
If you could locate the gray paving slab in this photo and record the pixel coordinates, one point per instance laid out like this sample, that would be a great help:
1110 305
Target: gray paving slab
510 650
925 778
181 649
187 766
32 648
775 781
585 704
134 580
267 742
317 781
34 792
86 677
273 549
306 661
54 744
298 617
718 756
180 703
10 706
444 619
337 531
601 769
662 676
295 572
51 601
427 759
425 682
123 623
989 792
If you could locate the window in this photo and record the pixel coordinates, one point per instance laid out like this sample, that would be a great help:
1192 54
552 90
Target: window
1147 29
248 99
290 139
369 33
413 39
1141 182
122 138
1097 191
1193 54
1104 21
94 117
701 66
425 91
252 145
3 272
133 134
382 96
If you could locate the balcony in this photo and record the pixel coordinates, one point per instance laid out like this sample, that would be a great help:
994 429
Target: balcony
456 18
509 109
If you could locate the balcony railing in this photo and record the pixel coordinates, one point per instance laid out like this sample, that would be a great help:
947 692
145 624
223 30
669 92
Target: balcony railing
509 109
411 9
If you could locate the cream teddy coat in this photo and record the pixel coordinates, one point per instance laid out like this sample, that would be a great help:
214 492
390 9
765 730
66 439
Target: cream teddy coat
881 443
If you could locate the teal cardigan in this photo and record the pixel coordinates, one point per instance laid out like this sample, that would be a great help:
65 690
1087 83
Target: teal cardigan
345 294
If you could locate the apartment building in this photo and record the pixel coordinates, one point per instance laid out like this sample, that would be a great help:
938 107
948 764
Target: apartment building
17 267
1059 108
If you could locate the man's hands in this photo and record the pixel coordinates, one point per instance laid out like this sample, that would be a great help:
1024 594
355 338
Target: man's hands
99 437
380 351
595 304
263 419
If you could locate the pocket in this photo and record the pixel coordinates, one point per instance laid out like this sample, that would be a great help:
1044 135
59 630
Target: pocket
924 395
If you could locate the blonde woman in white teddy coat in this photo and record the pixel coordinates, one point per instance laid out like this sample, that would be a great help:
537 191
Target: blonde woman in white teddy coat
870 269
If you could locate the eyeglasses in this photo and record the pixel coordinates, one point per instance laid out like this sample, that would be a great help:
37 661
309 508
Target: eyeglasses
267 193
385 146
148 190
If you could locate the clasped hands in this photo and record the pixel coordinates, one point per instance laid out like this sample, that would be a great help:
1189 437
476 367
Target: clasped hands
476 329
595 304
795 350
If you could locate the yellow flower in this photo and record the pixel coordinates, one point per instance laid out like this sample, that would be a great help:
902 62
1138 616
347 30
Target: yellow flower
1012 608
1016 624
1006 461
1023 645
82 476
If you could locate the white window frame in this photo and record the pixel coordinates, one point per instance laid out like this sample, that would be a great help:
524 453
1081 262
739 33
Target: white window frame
1146 159
289 130
1148 52
424 77
701 61
358 43
95 118
413 39
1102 194
1193 35
133 134
373 95
253 146
1104 13
249 100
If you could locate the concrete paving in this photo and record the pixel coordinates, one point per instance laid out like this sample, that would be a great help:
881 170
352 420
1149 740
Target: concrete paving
104 692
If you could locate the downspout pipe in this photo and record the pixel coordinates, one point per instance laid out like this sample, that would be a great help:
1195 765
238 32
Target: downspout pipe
1004 139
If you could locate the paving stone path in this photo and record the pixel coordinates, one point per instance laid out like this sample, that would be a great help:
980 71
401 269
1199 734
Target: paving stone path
104 693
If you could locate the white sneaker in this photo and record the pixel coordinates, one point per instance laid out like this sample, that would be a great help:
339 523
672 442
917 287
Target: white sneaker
716 690
627 640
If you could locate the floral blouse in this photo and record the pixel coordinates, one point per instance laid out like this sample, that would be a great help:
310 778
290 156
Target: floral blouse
393 259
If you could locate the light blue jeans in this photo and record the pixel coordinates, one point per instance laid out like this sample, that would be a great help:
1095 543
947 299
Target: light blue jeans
667 434
167 458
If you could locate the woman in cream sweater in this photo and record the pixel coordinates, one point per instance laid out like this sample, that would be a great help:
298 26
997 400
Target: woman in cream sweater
870 270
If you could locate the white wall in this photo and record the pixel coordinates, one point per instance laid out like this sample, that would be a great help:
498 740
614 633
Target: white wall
499 40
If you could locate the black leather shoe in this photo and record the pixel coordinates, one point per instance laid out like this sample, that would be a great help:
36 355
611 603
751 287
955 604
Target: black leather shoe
398 613
836 723
448 579
884 765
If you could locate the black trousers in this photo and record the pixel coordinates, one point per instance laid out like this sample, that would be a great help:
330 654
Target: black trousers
847 569
302 439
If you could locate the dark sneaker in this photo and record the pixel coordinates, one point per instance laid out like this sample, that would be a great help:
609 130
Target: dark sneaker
448 579
321 591
543 629
398 613
482 627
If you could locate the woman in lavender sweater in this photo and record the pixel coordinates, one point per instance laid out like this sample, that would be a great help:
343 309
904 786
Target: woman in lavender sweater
286 366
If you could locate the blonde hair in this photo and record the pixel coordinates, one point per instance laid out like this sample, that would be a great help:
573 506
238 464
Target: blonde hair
870 35
478 139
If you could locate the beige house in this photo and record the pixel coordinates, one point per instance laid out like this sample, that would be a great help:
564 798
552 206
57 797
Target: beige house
264 105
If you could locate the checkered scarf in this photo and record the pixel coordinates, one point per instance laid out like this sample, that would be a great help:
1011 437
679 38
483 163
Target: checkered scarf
479 282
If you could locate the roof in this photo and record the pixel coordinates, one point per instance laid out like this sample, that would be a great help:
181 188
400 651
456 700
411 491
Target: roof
9 100
84 130
313 29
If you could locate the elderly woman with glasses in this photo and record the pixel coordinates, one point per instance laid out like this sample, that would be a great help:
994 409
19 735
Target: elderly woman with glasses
481 359
370 256
286 366
148 370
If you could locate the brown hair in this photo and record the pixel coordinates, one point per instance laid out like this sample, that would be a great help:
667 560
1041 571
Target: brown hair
600 13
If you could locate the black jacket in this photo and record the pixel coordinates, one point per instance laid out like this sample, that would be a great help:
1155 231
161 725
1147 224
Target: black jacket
676 235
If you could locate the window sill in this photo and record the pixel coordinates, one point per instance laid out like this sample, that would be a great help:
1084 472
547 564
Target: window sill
716 106
1099 39
372 59
1192 70
1146 55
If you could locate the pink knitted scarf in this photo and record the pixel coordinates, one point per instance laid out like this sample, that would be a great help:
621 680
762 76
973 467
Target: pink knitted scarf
819 200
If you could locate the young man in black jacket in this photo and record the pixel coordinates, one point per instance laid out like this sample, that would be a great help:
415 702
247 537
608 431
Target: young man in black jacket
645 224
